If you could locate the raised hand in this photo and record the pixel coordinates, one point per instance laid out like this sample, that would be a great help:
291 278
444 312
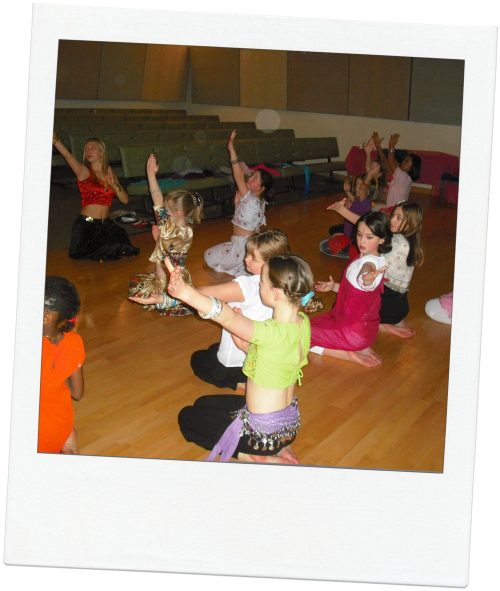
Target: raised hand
151 165
347 185
230 141
394 140
110 179
325 285
376 140
369 278
155 231
369 146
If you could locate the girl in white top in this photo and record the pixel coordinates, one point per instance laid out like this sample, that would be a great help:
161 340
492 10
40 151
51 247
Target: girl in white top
229 257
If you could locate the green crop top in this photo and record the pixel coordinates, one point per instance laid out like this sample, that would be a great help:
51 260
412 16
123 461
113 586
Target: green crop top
273 359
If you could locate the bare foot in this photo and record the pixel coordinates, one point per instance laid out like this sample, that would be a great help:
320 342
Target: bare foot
400 330
285 456
70 446
366 357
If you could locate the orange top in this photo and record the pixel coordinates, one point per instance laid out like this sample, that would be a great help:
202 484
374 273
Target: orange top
56 410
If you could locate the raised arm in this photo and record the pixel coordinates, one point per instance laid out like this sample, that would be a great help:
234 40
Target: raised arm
80 171
368 147
154 187
389 163
239 325
238 174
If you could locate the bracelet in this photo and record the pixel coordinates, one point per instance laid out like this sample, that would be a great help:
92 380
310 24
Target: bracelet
117 189
55 139
155 191
163 304
215 311
391 150
234 161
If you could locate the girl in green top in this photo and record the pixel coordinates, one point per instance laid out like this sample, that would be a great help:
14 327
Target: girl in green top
264 427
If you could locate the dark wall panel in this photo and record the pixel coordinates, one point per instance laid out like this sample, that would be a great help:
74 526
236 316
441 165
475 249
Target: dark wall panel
122 71
379 86
78 64
165 73
437 91
318 82
215 75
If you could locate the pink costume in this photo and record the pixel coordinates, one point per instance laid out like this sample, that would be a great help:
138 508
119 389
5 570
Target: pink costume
352 324
399 187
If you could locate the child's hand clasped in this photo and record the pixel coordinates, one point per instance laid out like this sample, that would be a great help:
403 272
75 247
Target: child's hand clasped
369 278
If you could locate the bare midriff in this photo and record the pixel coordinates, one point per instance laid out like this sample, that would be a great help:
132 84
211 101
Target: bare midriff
98 212
260 400
238 231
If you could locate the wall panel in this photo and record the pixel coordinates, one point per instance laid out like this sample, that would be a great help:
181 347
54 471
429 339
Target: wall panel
437 91
165 73
122 71
263 78
318 82
379 86
215 75
78 64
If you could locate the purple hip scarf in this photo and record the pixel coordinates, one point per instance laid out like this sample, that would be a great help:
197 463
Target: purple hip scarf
270 430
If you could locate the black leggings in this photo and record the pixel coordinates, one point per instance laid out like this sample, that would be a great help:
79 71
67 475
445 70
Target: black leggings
207 367
395 307
205 422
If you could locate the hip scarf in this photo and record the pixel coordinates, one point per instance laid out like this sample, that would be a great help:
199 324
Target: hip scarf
271 429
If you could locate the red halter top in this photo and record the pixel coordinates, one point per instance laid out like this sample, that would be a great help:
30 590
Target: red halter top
94 191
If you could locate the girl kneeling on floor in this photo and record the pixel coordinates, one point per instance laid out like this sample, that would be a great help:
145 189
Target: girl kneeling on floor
262 425
350 328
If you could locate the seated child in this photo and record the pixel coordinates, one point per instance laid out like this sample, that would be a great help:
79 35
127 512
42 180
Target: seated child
221 364
173 238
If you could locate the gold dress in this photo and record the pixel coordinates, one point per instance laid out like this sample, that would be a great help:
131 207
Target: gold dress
174 242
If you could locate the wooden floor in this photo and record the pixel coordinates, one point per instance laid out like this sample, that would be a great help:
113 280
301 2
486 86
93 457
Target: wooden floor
138 376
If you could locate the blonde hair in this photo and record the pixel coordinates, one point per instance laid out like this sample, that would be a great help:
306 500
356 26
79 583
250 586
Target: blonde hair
104 153
293 275
269 243
186 202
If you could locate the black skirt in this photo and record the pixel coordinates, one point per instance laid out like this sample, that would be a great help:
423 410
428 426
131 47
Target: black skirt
99 240
395 307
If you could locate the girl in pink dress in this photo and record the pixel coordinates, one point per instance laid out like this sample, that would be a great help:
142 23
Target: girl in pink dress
350 328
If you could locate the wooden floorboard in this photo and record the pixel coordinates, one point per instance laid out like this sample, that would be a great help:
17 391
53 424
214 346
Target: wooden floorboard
138 375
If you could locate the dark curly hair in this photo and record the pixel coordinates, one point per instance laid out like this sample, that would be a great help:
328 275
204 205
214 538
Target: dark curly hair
61 296
379 224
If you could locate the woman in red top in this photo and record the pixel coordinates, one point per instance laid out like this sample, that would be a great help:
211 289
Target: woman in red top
94 236
62 373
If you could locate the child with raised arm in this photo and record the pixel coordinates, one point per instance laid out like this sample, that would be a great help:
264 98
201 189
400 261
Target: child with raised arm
62 372
173 238
349 330
262 425
401 176
358 202
250 205
406 254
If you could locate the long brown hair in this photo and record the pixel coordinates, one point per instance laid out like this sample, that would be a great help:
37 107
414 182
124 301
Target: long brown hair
411 229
